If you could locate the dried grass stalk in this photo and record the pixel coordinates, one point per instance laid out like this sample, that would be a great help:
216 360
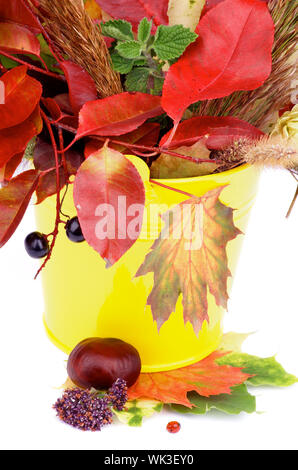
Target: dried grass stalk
274 151
76 36
257 105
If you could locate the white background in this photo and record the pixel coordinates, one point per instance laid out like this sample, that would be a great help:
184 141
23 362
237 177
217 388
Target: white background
264 300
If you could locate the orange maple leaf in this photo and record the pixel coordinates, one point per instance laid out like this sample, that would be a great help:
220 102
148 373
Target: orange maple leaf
205 377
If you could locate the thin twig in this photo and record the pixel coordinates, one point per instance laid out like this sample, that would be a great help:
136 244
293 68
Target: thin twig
172 189
55 232
292 204
32 67
51 45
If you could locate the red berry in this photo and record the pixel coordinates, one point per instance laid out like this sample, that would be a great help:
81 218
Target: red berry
173 427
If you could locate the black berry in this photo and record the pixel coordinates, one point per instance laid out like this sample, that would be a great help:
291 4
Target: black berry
36 245
74 231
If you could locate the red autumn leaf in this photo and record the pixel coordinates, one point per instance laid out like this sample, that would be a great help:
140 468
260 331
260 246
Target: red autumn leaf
107 187
213 3
44 159
53 108
57 115
17 12
81 86
47 185
193 261
205 377
22 94
12 165
117 114
14 200
222 131
15 139
225 58
63 102
18 39
135 10
147 135
209 5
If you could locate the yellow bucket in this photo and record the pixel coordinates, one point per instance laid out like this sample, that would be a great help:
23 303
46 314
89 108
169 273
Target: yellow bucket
85 299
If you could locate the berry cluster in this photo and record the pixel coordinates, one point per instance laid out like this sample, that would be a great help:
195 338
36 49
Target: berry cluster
117 394
37 244
87 409
83 410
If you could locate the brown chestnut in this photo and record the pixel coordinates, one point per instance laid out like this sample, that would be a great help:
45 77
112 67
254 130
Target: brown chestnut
98 362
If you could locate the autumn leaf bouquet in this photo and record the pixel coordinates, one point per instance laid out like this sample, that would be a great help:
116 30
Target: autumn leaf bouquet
138 129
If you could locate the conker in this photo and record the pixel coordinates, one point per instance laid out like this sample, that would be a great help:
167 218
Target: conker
98 362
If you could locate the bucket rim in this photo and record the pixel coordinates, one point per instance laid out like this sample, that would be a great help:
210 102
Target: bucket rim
213 176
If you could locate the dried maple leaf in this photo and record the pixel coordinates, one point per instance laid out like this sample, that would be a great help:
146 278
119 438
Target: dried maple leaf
167 166
205 377
189 257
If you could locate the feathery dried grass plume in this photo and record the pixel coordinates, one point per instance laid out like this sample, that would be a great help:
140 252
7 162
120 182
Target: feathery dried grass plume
270 151
257 105
274 152
75 35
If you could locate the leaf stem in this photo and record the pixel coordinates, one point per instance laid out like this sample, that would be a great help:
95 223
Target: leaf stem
32 67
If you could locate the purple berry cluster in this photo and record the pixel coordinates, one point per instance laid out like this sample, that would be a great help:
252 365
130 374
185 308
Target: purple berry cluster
117 394
87 410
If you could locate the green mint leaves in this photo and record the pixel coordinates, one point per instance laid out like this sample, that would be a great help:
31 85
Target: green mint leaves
171 41
142 58
144 30
129 49
118 29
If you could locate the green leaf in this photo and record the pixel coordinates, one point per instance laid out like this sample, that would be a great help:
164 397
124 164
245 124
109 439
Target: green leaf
266 371
137 80
129 49
30 149
140 61
117 29
47 56
136 410
144 30
120 64
239 400
171 41
8 63
158 86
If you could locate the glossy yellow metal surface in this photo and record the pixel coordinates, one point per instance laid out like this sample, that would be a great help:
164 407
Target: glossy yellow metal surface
85 299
